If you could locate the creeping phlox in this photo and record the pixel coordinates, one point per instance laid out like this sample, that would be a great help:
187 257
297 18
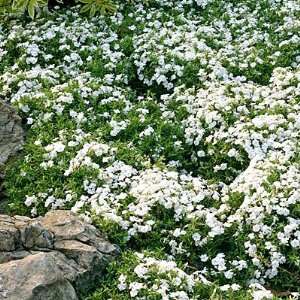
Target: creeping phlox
175 127
174 283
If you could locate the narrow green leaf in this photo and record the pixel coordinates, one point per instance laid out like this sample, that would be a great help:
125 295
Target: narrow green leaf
31 8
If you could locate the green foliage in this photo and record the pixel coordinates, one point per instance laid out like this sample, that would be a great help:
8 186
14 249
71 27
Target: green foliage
94 6
4 4
31 7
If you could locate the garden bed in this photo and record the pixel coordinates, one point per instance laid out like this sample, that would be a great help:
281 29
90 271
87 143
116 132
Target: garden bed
173 127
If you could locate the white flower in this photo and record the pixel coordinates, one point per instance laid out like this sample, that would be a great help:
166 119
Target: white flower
204 257
117 127
295 243
201 153
140 271
122 285
196 237
178 232
147 132
180 295
219 262
55 147
225 287
228 274
232 153
135 287
30 200
261 295
29 121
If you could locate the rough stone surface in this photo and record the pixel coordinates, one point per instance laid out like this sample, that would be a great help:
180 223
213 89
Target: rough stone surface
54 257
11 140
11 132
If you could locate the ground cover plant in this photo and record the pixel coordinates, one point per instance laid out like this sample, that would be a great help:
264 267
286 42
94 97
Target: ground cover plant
174 127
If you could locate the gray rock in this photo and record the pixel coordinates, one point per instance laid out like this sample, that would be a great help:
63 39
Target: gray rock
9 234
51 257
35 236
12 255
66 226
11 132
11 140
37 276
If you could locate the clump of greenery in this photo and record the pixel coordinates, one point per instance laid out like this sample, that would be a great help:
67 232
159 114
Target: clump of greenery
94 6
33 7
